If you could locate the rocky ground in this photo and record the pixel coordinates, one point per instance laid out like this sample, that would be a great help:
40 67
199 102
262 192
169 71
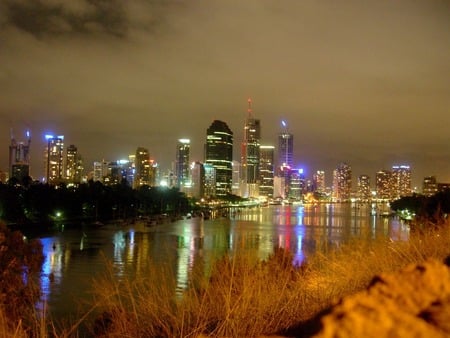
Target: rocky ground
414 302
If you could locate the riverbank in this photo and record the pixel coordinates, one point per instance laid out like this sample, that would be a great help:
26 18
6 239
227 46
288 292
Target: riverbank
241 295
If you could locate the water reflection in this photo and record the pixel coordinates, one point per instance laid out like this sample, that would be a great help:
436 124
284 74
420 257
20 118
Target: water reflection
75 256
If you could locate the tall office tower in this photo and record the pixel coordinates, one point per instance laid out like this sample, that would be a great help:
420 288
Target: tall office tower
182 165
210 180
142 167
342 182
54 159
74 165
383 185
250 152
100 171
319 181
266 170
219 154
19 158
285 148
430 186
297 184
401 181
198 180
364 194
236 182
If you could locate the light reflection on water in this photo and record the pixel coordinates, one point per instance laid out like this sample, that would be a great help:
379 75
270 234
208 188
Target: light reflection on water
75 256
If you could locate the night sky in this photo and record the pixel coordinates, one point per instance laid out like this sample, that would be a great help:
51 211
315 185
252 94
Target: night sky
365 82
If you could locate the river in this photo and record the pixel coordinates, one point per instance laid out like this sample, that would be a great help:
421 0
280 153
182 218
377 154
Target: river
74 256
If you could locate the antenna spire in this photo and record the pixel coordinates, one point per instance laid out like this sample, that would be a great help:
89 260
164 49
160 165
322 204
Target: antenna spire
249 110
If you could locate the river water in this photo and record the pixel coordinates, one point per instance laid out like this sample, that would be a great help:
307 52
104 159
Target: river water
75 255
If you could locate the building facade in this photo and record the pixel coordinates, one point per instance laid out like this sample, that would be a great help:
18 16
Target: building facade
219 154
266 171
342 183
54 159
364 193
19 158
182 165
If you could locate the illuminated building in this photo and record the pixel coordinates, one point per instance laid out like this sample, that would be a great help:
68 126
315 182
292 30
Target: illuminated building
100 171
250 148
74 165
236 185
219 154
296 184
383 185
19 158
54 159
210 180
182 163
266 170
198 180
401 181
342 182
319 181
364 193
430 186
285 148
143 168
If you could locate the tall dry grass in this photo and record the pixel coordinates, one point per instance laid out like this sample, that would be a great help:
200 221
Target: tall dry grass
243 296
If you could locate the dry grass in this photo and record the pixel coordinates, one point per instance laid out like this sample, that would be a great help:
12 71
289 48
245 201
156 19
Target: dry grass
240 296
243 296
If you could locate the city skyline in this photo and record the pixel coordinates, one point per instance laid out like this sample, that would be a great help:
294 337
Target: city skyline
365 83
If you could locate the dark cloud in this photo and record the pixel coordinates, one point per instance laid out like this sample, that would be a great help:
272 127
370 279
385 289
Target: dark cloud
367 83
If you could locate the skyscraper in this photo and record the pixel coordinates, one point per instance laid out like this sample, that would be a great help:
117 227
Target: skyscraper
250 147
74 165
182 164
54 159
142 167
401 181
364 194
342 182
383 184
430 186
198 180
19 158
266 171
285 148
219 154
319 181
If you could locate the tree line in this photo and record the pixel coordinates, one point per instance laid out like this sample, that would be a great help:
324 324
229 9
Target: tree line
43 203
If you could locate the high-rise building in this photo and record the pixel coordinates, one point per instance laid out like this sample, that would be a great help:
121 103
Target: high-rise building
210 180
219 154
364 193
430 186
250 148
401 181
383 184
74 165
297 184
54 159
198 180
342 182
319 181
182 165
266 171
143 168
285 148
19 158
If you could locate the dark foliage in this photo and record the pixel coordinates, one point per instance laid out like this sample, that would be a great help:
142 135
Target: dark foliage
42 203
20 263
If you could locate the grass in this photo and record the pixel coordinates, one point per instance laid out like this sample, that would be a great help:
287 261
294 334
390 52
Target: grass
240 296
244 296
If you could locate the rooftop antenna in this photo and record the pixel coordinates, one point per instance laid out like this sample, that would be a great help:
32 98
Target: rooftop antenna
249 110
284 125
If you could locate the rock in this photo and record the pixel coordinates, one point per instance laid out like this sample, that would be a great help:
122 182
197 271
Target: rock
414 302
